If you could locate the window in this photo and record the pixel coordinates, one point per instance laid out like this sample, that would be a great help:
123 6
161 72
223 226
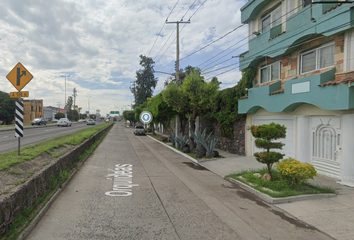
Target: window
318 58
270 72
271 19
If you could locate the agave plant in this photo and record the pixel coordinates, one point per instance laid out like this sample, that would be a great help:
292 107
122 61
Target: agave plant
203 141
181 141
172 138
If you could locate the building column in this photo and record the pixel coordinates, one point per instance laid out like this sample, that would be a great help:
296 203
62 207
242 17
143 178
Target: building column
303 139
347 164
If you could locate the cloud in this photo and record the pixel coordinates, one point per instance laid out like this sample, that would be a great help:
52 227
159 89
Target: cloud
99 42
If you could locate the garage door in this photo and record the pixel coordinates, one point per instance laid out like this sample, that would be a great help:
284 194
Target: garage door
289 141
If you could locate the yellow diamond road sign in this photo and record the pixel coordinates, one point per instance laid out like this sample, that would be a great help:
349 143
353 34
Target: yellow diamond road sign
19 76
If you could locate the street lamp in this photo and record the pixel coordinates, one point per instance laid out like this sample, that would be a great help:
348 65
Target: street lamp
65 88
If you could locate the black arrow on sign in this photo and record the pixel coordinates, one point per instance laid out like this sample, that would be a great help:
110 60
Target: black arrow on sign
19 75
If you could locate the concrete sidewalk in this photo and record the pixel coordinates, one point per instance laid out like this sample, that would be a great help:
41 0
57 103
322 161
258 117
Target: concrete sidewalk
334 216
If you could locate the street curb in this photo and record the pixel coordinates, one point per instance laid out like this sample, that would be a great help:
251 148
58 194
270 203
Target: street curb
272 200
259 194
175 150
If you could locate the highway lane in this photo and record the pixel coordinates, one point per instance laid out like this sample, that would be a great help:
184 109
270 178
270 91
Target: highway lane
36 134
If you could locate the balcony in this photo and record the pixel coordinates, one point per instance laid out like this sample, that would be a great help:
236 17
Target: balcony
297 92
320 19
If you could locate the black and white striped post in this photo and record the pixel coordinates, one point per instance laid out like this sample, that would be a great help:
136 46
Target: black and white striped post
19 123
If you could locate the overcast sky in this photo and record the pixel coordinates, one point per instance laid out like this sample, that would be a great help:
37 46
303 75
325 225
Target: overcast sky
98 43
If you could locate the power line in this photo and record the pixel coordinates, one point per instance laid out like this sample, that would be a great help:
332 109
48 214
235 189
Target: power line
309 39
180 30
163 27
213 42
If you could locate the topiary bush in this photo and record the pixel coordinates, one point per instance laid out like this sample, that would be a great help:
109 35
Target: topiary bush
264 135
295 171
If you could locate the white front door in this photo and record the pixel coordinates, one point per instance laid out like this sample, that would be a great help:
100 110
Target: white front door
326 145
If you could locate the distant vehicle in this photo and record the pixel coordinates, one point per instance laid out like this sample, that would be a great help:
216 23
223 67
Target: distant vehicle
107 120
139 130
39 121
82 121
114 119
64 122
54 120
91 122
1 122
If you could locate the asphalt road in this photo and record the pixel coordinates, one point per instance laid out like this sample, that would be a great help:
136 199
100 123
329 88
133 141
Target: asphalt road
133 187
36 134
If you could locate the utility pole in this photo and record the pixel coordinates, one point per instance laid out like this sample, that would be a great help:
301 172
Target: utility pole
177 48
177 70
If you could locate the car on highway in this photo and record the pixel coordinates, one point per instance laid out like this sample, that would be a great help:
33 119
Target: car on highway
91 122
64 122
139 130
82 121
39 121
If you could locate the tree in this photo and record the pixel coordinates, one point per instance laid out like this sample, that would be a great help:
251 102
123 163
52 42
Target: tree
200 96
69 103
264 135
59 115
161 111
7 108
145 81
129 115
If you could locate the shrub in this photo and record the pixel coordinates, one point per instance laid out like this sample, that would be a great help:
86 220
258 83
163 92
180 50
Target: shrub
295 171
264 135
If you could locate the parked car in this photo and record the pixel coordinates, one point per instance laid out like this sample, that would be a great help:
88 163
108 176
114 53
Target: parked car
139 130
64 122
91 122
82 121
39 121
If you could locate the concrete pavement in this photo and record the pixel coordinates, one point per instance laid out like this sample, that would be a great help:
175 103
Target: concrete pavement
331 214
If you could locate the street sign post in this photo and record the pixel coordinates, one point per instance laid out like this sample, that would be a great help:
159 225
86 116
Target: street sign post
19 76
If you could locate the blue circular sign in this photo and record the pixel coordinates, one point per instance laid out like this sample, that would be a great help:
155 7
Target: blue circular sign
146 117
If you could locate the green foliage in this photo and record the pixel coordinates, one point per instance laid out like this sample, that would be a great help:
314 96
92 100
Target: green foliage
145 81
182 141
59 115
264 135
278 187
129 115
161 111
295 171
7 108
11 158
269 131
204 141
225 108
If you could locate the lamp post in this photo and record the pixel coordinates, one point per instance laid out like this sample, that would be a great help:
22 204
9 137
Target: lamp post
65 88
88 104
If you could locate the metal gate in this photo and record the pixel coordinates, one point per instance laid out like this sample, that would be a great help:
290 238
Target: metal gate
326 146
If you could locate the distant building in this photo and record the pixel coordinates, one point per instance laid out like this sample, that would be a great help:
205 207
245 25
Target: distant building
32 109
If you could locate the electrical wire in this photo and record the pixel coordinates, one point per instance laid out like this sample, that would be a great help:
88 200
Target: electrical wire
163 27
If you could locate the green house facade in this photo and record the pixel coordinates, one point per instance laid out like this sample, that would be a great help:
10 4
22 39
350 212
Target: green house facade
303 51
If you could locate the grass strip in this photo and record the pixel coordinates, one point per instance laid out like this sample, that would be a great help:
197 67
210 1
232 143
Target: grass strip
10 158
278 187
